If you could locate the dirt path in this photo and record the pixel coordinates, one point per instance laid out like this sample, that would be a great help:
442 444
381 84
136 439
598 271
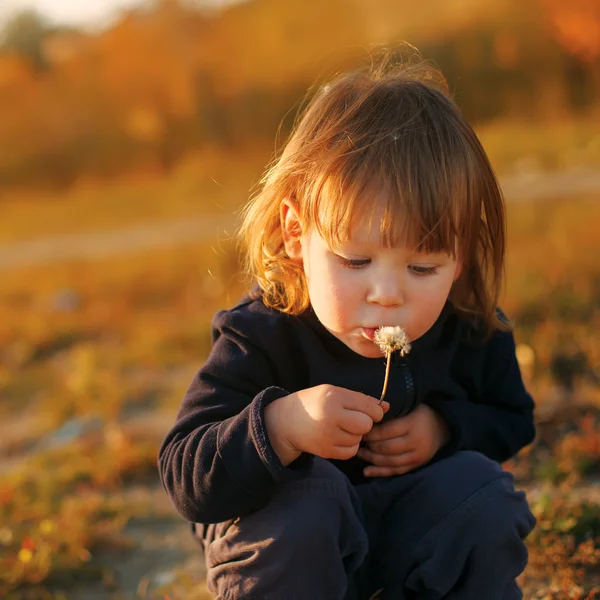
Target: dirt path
164 557
103 244
547 186
531 186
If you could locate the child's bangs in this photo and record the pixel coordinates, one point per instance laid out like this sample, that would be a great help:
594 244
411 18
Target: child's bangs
398 206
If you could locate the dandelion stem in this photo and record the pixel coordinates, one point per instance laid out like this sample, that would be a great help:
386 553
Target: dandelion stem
388 362
390 339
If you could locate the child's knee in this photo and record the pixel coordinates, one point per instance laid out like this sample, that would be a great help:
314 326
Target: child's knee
505 513
500 520
309 526
281 531
490 499
318 511
454 479
478 546
471 466
500 506
466 497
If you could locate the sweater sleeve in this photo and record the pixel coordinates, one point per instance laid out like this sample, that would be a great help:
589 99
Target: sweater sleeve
496 416
217 463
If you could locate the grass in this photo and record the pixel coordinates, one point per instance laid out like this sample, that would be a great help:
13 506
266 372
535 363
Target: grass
103 343
54 519
102 361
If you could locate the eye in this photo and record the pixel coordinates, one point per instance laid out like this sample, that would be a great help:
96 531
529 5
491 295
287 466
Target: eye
353 263
422 271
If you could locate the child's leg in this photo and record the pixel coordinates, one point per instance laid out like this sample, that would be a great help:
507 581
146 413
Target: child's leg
305 544
454 531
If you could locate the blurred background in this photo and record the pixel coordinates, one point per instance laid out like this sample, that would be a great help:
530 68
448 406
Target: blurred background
131 132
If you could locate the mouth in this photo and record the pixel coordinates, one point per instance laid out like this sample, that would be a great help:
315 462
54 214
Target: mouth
369 332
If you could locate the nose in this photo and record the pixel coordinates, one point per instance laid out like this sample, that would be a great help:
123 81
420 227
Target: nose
386 290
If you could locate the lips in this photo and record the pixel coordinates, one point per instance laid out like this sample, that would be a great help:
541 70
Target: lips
369 332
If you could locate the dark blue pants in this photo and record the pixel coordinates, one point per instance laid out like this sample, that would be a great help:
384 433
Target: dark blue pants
451 530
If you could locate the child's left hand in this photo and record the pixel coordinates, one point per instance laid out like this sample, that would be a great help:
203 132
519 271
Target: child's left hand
405 443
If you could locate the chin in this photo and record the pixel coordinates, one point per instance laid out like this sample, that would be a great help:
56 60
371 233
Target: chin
374 354
367 349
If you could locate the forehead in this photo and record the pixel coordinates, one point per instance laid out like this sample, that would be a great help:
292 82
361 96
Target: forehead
368 215
376 215
367 228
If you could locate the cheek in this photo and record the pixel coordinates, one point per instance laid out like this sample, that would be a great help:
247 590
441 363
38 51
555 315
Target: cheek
331 292
429 303
317 270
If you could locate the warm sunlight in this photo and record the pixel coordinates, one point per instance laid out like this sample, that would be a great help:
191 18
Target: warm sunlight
132 132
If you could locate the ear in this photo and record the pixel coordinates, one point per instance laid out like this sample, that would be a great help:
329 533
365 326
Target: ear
291 228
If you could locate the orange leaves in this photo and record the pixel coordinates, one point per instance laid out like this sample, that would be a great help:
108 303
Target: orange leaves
576 25
14 72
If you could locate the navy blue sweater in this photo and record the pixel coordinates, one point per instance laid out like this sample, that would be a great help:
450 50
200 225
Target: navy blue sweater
216 463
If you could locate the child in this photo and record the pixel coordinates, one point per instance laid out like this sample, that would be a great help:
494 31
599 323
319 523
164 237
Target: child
382 210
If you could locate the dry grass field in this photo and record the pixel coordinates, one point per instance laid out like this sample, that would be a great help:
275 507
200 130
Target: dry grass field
96 354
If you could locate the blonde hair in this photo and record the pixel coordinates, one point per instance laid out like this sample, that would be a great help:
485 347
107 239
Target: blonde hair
389 132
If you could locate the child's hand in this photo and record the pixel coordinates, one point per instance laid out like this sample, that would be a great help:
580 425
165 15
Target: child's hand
403 444
325 420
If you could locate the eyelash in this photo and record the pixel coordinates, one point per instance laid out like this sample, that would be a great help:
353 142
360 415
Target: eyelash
423 271
353 263
363 262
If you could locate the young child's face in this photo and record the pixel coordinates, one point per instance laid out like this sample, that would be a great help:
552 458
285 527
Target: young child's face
360 286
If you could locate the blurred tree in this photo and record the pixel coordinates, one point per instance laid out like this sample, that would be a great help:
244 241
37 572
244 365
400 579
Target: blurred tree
15 73
144 65
504 64
272 45
175 75
24 34
576 26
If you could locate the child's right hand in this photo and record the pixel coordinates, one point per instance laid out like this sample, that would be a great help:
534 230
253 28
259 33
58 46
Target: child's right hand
325 420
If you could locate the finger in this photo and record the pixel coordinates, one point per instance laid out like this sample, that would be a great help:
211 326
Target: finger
365 404
397 445
386 431
355 422
385 460
346 439
343 452
387 471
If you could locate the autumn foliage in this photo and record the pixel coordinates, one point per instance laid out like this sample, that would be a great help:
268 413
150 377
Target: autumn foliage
166 80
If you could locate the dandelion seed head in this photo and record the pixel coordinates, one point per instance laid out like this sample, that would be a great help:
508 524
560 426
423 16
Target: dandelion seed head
392 339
